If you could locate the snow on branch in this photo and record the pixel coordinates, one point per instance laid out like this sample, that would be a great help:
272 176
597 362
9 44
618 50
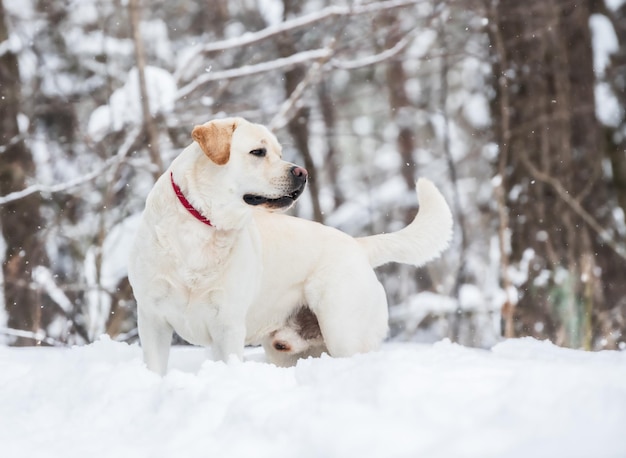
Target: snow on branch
299 22
38 336
283 63
40 188
14 141
61 187
374 59
44 277
287 109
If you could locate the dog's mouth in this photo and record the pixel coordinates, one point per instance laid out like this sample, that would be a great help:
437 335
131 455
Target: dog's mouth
279 202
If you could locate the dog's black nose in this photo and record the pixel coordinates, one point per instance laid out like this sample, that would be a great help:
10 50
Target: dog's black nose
299 172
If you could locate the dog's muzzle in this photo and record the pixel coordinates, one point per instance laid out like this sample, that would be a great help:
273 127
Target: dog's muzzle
299 177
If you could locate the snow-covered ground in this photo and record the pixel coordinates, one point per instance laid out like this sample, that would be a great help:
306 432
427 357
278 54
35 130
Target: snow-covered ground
523 398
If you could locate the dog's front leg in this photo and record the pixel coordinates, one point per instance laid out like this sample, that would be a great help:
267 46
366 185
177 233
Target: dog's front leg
155 335
228 339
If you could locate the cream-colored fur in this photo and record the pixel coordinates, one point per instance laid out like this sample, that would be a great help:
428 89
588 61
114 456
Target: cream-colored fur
239 280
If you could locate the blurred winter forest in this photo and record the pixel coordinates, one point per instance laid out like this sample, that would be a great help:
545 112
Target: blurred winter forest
513 108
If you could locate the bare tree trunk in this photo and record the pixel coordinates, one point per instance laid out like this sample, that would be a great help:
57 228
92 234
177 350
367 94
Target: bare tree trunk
298 125
461 273
503 135
615 77
20 220
332 167
148 120
210 15
550 168
399 102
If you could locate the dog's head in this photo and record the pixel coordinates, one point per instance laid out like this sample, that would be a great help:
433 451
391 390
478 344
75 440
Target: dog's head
252 157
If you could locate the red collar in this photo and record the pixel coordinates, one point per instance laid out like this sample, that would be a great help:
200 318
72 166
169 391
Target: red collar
183 200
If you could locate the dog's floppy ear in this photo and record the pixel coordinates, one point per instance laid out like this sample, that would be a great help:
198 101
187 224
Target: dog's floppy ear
214 139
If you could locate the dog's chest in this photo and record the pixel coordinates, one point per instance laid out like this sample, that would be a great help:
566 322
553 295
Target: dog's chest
205 259
191 251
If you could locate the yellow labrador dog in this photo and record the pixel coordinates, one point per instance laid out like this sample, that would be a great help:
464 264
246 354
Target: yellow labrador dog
215 262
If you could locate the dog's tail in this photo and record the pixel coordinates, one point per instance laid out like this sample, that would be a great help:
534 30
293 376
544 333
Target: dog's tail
421 241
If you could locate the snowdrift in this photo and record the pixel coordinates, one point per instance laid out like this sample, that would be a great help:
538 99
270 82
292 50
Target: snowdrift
522 398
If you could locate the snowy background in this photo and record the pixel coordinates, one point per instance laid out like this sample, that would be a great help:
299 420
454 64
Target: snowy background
523 398
80 119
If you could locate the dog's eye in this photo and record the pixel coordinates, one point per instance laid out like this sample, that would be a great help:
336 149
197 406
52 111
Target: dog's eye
259 152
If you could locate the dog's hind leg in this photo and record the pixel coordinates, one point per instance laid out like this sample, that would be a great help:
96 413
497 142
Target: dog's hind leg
155 335
351 308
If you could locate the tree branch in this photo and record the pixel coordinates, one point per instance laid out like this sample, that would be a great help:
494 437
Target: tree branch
287 109
322 55
39 336
573 203
374 59
300 22
287 63
283 63
61 187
